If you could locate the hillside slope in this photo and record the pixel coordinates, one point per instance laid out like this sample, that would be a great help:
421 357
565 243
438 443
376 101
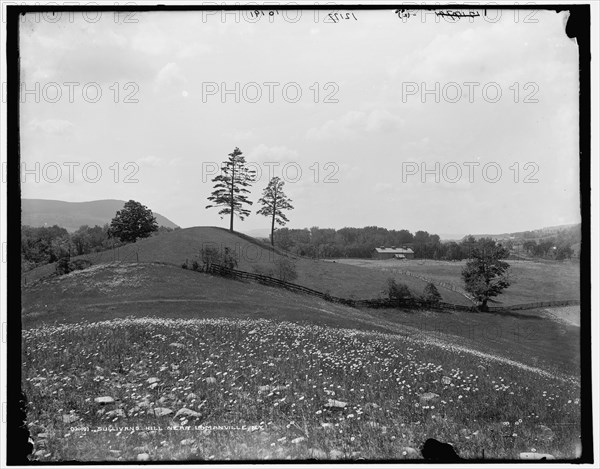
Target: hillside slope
337 279
72 215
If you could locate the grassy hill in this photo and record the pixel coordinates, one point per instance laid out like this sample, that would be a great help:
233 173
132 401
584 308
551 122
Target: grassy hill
157 338
337 279
72 215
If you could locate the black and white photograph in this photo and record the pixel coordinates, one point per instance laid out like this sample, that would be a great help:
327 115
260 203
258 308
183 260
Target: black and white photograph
299 233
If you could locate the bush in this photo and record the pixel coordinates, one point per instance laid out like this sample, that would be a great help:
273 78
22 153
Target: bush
65 266
286 269
397 291
62 266
195 266
184 265
431 294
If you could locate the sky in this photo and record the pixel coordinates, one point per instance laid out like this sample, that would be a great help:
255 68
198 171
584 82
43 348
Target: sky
452 126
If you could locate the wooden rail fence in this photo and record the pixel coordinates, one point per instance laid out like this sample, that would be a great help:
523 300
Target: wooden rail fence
216 269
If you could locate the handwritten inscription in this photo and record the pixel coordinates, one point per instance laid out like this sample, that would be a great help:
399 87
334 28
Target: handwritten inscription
337 17
453 15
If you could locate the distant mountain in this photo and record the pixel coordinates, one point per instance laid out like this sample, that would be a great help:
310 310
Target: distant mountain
532 234
71 215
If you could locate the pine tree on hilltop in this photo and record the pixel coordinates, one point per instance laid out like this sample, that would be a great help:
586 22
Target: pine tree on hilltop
230 187
274 201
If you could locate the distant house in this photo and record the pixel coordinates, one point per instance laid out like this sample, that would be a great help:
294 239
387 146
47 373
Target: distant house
393 253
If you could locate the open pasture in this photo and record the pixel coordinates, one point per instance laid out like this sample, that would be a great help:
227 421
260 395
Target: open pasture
219 389
530 281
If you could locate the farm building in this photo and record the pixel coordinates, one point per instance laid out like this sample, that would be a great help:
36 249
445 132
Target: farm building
393 252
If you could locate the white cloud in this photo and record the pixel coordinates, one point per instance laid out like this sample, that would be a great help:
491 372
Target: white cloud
51 126
169 76
264 153
354 122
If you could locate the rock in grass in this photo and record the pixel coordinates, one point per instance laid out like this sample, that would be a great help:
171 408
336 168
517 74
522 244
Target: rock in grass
69 418
176 345
116 413
187 442
143 457
191 396
336 454
161 411
547 433
427 397
187 412
528 455
211 380
300 439
446 380
334 404
317 453
104 400
407 452
152 380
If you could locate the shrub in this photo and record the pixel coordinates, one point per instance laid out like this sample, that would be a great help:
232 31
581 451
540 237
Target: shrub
397 291
286 269
62 266
195 265
431 294
184 265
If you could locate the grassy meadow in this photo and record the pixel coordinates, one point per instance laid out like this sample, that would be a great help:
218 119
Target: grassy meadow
222 389
531 281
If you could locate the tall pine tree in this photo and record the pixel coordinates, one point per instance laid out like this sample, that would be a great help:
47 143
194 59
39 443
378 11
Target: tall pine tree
274 201
230 187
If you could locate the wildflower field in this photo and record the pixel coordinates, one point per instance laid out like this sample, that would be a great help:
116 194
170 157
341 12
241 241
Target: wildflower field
150 388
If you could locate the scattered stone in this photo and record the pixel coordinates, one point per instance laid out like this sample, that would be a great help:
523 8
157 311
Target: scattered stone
69 418
143 457
428 397
104 400
446 380
187 413
547 433
298 440
211 380
191 396
336 454
187 442
278 388
116 413
153 380
407 452
161 411
176 345
528 455
317 453
335 405
327 425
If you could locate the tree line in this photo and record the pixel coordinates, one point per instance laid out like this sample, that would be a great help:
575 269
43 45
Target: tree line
45 245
